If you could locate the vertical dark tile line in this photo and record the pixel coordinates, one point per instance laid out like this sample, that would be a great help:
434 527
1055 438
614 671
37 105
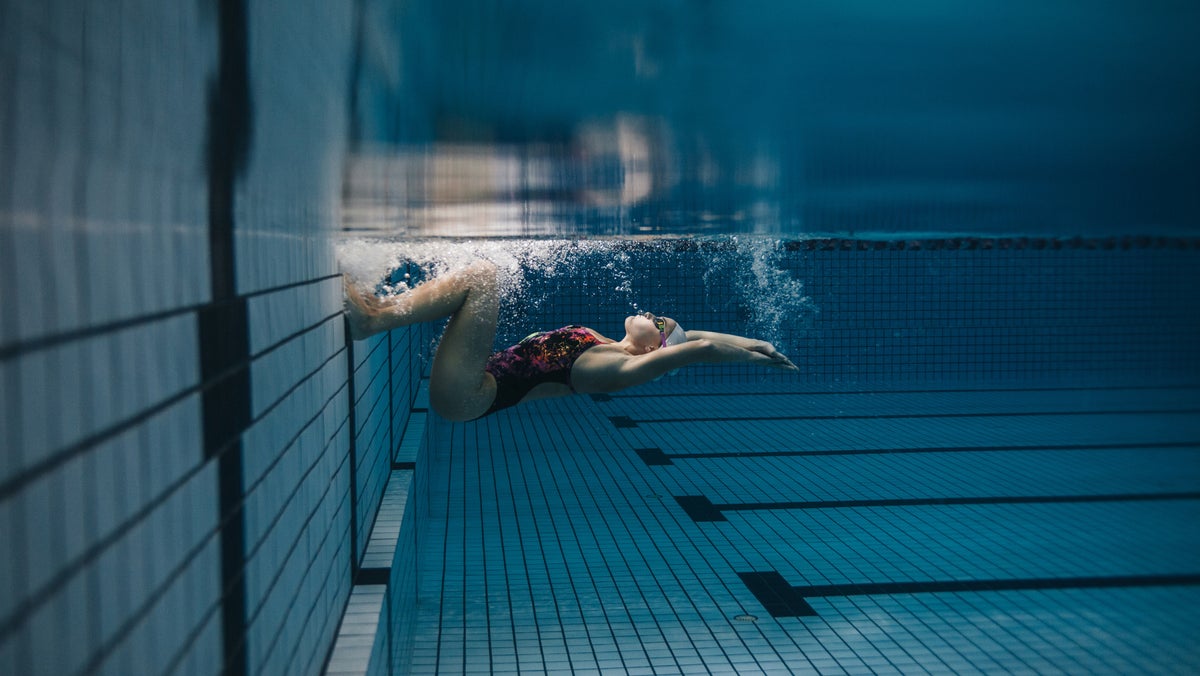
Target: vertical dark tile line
229 119
352 424
224 326
233 560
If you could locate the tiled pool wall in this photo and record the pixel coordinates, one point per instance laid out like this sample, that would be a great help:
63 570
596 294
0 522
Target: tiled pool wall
884 315
193 456
903 313
184 483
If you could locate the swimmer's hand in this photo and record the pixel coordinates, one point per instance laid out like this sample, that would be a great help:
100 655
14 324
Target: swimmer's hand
778 359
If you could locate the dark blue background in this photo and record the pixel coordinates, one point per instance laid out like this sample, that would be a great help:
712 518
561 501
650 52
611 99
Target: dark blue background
896 314
1012 116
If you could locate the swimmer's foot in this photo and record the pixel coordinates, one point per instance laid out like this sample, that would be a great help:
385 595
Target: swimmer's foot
363 312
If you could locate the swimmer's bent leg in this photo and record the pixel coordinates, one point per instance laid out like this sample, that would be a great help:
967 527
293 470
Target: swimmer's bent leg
459 387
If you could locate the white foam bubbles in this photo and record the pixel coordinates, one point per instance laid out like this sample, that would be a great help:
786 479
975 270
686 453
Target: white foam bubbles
750 273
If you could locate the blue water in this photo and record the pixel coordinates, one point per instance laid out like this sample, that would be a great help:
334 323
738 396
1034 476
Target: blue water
783 118
988 462
973 228
935 310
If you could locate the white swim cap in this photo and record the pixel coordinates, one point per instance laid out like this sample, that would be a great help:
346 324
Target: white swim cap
677 336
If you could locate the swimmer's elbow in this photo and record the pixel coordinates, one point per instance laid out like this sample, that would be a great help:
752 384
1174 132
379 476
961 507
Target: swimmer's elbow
702 350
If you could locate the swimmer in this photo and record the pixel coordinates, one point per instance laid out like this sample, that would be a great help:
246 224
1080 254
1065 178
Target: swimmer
468 381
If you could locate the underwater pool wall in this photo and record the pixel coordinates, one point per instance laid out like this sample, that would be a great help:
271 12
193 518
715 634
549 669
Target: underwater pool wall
184 479
902 312
193 456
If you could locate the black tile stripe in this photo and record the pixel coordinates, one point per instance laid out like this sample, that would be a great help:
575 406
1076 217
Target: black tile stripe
777 597
224 342
951 501
702 510
653 456
373 576
699 508
633 394
229 130
936 449
623 421
403 465
783 600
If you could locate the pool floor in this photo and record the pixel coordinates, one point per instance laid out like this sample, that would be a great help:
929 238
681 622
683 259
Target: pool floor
735 530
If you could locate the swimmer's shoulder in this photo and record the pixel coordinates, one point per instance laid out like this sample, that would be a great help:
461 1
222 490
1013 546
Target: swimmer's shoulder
600 356
598 369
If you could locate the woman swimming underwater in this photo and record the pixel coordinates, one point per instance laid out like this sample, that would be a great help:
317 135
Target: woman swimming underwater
468 381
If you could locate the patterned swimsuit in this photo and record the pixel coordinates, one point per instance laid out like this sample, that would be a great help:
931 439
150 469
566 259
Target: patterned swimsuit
540 358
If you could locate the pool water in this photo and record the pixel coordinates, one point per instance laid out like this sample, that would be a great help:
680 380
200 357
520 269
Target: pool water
973 229
981 466
787 529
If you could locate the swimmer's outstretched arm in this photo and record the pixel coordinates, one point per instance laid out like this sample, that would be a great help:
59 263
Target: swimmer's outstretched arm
598 371
760 346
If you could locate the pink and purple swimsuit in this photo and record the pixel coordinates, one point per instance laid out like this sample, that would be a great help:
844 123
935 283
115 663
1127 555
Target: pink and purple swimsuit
545 357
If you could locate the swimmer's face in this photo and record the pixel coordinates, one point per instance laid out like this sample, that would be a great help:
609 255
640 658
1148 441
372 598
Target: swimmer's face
643 330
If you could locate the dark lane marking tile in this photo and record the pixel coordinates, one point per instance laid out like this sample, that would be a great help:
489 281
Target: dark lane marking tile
779 598
699 508
948 501
906 416
937 449
622 421
783 600
653 456
373 576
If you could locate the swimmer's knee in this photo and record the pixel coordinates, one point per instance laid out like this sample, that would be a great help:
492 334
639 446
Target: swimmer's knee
482 271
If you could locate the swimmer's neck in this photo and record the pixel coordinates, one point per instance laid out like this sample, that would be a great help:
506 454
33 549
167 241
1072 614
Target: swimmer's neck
630 348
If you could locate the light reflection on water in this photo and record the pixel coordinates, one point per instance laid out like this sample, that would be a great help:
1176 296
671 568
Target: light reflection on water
532 118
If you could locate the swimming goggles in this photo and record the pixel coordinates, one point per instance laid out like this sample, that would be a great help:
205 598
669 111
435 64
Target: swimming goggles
661 325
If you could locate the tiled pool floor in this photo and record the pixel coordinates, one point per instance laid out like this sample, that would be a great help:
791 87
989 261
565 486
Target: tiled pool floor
685 531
